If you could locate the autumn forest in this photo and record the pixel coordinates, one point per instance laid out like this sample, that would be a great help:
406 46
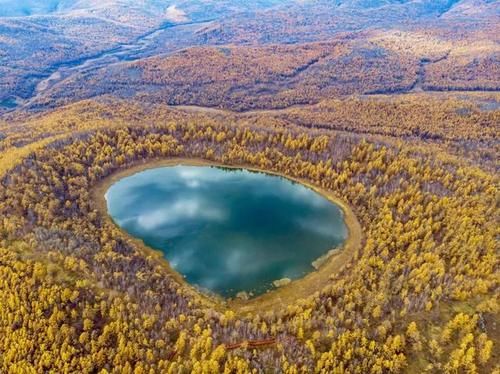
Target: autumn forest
392 112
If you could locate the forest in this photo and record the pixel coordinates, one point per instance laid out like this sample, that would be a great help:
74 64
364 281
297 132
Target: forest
389 108
282 75
77 296
261 56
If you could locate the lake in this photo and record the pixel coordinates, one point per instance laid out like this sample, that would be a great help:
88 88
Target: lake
227 230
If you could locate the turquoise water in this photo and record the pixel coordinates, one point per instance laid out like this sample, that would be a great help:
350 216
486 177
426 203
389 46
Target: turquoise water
8 103
227 230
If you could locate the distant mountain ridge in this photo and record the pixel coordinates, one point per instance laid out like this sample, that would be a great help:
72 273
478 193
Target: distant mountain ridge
43 44
21 8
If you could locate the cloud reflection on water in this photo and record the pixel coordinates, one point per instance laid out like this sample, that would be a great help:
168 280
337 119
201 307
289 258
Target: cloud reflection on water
181 210
227 230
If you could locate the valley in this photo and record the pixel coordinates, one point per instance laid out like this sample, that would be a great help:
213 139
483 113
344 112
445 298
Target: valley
144 46
357 60
275 186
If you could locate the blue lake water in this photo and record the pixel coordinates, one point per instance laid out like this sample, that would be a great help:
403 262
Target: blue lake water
227 230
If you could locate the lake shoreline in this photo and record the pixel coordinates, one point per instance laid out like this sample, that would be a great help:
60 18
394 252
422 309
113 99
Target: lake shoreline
277 299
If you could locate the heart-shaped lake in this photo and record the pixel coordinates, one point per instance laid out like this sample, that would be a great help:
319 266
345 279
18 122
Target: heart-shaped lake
228 230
